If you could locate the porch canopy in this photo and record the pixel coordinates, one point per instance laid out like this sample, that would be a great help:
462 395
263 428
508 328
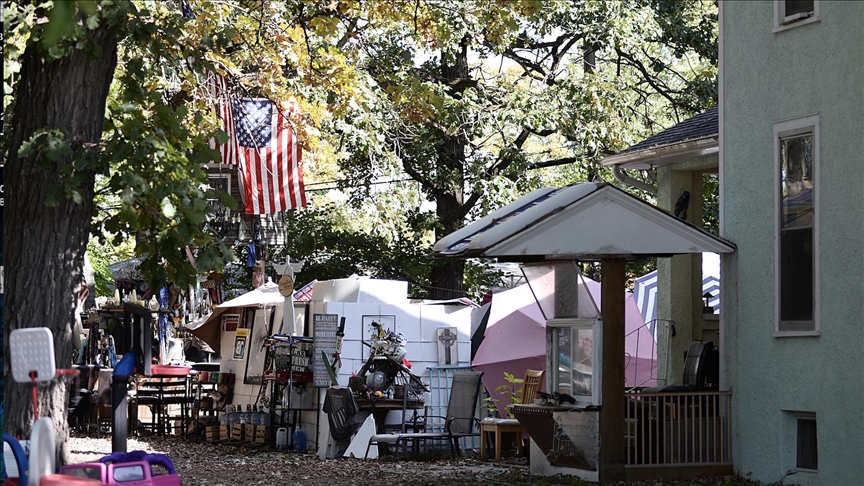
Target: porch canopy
209 328
587 222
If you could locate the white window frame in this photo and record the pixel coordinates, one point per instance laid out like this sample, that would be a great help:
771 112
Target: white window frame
786 129
596 325
783 23
805 416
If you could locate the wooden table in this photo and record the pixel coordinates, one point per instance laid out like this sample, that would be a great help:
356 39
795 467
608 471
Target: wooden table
499 427
381 407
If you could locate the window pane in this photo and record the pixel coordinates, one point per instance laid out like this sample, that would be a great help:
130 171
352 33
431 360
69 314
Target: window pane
797 179
574 352
798 6
564 357
796 234
796 276
807 457
583 368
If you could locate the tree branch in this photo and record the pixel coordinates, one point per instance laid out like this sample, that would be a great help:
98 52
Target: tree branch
661 90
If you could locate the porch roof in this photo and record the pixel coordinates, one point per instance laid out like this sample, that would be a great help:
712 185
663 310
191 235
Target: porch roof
589 221
695 137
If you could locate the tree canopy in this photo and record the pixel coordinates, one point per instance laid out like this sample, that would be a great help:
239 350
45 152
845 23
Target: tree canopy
108 122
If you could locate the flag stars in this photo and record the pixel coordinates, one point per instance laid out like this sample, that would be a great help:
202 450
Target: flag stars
253 119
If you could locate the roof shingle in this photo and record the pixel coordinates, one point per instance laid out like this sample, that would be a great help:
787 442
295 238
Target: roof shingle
702 125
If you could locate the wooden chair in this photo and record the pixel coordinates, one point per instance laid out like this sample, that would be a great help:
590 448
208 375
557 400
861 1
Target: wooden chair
498 426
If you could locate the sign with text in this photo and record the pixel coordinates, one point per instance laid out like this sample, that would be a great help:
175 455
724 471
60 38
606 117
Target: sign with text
324 336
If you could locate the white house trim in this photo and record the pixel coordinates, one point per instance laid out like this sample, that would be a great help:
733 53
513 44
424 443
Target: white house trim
782 129
783 23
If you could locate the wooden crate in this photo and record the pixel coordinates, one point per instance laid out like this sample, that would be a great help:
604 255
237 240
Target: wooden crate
213 433
262 434
239 432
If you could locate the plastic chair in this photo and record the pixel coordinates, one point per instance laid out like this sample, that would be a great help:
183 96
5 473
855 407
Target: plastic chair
497 426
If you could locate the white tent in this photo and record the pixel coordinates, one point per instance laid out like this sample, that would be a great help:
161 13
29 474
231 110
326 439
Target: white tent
208 328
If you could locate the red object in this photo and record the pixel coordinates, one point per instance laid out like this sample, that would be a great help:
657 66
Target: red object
262 143
164 370
61 480
407 363
34 392
283 375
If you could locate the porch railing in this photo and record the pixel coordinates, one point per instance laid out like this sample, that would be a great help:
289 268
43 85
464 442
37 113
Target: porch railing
678 428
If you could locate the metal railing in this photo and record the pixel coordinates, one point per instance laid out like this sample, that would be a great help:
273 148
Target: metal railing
678 428
659 337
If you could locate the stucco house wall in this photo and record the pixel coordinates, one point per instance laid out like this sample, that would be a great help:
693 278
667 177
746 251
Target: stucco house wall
768 78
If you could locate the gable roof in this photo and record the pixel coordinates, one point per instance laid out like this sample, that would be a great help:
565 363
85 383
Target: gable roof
587 221
694 137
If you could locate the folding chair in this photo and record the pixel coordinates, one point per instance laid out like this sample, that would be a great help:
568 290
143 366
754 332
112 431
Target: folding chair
458 423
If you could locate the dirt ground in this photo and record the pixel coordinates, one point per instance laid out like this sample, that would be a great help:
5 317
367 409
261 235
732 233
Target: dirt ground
204 464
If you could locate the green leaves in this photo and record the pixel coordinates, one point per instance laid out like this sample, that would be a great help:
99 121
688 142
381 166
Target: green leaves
47 144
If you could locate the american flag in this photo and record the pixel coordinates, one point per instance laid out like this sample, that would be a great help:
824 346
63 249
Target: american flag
263 145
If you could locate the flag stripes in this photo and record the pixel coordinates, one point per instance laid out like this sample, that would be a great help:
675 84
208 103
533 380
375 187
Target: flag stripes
262 143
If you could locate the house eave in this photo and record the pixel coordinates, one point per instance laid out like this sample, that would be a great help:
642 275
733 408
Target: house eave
665 154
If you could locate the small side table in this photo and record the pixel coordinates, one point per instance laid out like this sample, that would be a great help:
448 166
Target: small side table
499 426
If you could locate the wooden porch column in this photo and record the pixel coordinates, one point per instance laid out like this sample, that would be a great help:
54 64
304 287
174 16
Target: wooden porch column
612 447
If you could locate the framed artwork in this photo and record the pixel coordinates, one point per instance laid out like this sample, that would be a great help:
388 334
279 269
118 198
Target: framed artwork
240 344
259 330
230 322
370 331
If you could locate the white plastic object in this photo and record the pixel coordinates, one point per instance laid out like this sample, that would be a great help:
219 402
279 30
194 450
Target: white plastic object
281 438
41 451
32 349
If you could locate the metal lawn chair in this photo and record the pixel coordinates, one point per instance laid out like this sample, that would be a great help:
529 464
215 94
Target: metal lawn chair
458 423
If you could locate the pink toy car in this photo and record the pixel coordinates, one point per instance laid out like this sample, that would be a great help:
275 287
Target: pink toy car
122 469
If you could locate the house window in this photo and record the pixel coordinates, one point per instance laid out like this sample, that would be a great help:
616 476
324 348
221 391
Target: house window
807 454
791 13
797 248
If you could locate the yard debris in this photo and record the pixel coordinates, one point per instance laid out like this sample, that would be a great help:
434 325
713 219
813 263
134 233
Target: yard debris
206 464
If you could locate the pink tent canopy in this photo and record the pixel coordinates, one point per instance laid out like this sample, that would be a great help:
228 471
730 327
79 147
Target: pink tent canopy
515 341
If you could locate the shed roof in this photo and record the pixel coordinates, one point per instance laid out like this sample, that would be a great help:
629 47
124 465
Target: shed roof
587 221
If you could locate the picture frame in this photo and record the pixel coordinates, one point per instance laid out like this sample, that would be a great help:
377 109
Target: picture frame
240 344
230 322
260 327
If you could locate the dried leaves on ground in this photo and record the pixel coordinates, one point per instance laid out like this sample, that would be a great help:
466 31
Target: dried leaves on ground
205 464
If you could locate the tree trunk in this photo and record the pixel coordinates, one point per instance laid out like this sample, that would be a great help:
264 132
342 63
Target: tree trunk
45 245
447 275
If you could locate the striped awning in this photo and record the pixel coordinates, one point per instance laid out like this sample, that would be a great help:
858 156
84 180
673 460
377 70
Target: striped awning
645 291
